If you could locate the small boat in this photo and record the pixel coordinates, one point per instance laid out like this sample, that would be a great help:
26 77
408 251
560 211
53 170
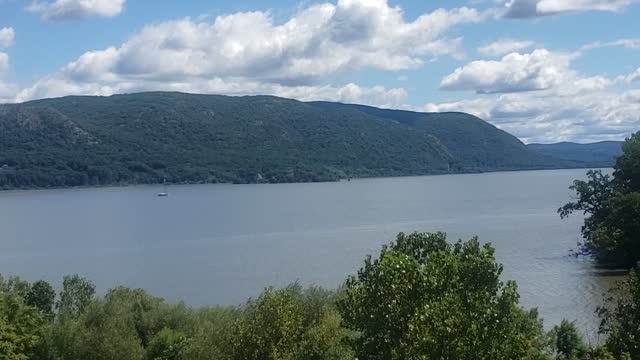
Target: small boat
164 192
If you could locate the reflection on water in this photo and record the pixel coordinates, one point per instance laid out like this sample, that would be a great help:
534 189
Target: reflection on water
220 244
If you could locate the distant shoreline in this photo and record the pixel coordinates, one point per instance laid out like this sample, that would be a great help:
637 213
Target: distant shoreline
132 185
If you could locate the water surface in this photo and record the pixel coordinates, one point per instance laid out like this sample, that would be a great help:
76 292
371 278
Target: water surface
220 244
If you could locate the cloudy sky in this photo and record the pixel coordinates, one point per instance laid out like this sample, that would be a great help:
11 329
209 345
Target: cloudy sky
544 70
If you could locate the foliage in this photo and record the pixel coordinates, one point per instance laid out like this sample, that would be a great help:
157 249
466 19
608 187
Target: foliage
621 319
422 298
627 169
14 286
149 137
42 297
567 340
611 229
76 295
426 299
212 333
290 324
21 326
168 344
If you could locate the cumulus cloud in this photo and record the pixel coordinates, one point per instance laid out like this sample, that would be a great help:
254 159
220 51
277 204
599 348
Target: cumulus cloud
536 8
578 109
60 10
7 37
549 117
320 40
538 97
502 47
515 72
246 53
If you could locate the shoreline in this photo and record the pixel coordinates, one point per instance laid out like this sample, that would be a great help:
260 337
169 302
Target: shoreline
133 185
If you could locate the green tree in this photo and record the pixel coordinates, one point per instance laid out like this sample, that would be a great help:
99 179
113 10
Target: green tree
77 293
290 323
627 169
21 326
567 340
213 333
41 296
611 228
425 299
100 329
325 340
621 319
168 344
14 286
272 326
593 196
108 332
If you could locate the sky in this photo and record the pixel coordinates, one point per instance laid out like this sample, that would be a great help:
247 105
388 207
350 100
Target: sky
543 70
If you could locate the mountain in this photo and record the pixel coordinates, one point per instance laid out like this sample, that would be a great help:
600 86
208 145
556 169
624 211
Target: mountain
186 138
599 154
472 144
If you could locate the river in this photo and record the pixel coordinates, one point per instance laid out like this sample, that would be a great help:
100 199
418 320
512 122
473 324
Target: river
220 244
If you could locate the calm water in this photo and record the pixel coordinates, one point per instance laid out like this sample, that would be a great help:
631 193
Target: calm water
219 244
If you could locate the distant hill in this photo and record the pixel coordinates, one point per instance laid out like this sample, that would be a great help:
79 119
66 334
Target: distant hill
184 138
472 143
599 154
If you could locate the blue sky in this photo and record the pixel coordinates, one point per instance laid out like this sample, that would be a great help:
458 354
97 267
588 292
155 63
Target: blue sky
544 70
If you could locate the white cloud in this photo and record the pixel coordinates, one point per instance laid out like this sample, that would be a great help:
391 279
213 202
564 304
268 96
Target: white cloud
538 97
557 6
246 53
7 90
7 37
550 117
502 47
76 9
626 43
4 62
535 8
634 76
579 109
515 72
320 40
349 93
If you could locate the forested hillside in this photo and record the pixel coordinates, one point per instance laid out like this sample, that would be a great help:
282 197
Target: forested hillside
183 138
599 154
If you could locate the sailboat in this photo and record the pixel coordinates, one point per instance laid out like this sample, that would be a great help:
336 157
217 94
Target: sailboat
164 192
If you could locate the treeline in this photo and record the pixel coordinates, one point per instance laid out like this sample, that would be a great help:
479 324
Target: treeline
421 298
611 229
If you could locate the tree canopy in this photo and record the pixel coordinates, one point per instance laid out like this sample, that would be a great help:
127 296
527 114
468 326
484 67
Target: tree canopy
611 204
426 299
422 298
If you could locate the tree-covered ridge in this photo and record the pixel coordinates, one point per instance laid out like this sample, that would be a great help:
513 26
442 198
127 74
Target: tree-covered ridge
611 229
600 154
474 144
421 298
149 137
